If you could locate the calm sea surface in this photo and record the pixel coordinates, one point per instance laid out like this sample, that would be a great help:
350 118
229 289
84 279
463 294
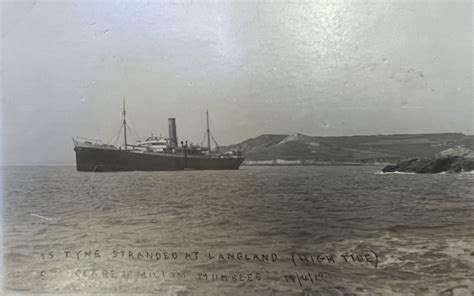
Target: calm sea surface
280 230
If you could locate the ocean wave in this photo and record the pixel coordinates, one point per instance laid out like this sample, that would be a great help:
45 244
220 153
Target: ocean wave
409 222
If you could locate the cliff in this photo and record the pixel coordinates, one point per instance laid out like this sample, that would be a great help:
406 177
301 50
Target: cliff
350 149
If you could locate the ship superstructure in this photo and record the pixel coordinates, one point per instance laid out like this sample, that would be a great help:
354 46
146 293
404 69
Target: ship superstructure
153 154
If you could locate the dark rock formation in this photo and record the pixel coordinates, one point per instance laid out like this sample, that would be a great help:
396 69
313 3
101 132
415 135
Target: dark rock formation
453 160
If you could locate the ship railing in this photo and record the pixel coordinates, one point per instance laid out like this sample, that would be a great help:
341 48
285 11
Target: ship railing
89 139
94 141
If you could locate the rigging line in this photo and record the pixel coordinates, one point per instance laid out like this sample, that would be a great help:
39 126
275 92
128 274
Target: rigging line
215 142
131 132
119 134
117 137
212 136
134 133
133 129
113 137
203 138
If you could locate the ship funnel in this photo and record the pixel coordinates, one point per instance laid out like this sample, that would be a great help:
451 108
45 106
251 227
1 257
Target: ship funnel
172 132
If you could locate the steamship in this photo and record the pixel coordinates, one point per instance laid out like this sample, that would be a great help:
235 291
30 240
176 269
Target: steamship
153 154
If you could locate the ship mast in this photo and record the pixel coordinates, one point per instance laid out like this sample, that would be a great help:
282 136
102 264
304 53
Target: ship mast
124 125
208 133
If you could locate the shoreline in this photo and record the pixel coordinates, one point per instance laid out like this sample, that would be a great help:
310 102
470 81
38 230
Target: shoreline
309 163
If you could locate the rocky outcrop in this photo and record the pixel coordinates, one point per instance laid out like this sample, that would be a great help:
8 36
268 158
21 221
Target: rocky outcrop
453 160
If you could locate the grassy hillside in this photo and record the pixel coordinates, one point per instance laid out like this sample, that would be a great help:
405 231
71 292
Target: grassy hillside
376 148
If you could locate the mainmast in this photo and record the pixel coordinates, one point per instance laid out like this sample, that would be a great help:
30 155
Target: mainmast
124 125
208 133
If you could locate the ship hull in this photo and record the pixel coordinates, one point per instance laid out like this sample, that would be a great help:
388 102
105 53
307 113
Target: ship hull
94 159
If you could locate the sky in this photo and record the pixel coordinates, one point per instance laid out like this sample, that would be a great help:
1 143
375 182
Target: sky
325 68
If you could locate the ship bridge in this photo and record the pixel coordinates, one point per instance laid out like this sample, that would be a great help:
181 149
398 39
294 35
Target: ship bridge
155 144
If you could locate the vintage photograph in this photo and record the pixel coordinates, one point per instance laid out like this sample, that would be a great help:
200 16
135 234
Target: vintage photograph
237 147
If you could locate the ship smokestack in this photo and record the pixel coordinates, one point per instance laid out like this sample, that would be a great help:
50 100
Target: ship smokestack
172 132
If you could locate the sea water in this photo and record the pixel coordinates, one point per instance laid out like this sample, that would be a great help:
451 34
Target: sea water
275 230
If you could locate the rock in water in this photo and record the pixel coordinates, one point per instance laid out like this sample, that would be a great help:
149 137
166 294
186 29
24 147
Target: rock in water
453 160
458 151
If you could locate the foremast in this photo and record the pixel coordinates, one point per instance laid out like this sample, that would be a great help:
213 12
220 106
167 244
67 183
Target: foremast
208 133
124 125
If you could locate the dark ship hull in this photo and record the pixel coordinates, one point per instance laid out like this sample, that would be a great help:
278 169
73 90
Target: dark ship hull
99 159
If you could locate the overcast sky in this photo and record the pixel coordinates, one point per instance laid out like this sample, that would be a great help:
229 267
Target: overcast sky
323 68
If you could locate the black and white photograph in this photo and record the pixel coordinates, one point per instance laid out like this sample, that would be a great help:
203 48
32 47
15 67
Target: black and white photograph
280 148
